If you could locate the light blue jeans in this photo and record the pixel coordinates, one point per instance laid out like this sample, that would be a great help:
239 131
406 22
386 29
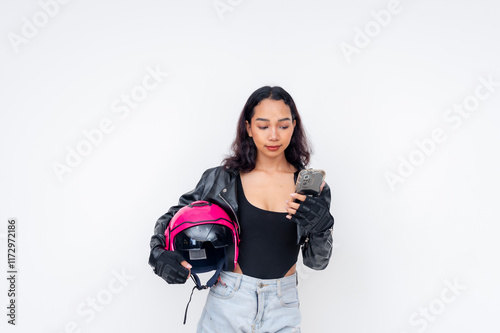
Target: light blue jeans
243 304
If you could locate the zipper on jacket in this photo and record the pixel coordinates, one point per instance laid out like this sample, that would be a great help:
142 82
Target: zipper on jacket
232 209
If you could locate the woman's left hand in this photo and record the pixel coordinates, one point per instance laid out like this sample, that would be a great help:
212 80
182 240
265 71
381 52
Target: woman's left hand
311 213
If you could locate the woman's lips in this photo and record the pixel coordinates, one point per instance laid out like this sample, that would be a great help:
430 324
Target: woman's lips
273 148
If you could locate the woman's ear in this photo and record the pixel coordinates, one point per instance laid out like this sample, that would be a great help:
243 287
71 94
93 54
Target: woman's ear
249 128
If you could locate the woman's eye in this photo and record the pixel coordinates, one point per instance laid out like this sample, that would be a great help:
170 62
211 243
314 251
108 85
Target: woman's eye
263 128
284 127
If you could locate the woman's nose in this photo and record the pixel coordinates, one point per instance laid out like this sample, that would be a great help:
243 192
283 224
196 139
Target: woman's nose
273 135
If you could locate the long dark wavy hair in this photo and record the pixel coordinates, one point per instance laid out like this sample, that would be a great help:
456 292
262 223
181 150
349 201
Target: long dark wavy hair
244 151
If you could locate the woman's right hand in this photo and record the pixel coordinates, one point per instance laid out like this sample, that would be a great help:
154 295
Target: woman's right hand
172 267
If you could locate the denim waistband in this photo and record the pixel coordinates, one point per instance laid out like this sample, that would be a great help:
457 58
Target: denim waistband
250 282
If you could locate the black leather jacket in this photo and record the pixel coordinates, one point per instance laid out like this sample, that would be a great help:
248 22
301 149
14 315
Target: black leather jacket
218 185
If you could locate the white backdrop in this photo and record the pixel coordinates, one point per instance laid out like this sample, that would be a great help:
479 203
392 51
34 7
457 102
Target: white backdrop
112 109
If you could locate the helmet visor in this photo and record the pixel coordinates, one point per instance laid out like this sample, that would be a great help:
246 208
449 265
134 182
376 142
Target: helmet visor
194 237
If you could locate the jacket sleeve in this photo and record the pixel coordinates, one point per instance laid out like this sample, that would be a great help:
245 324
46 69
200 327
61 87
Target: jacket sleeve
158 242
317 248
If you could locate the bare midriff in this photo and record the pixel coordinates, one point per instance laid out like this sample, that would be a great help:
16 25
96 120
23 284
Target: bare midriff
237 269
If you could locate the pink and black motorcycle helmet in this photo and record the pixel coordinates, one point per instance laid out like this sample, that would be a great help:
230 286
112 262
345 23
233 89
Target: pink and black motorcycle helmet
206 237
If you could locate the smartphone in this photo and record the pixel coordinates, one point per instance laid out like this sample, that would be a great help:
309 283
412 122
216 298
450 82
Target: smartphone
309 181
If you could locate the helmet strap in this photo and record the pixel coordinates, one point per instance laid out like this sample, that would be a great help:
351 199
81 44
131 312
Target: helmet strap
210 283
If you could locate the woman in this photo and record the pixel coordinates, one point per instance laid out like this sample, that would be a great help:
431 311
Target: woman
255 185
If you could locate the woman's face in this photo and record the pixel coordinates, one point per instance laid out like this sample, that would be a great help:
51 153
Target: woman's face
271 127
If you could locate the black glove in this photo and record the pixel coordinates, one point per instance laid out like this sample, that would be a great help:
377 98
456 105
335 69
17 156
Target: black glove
168 266
313 215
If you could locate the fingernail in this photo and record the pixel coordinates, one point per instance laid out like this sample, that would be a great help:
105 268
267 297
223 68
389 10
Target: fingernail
189 266
292 194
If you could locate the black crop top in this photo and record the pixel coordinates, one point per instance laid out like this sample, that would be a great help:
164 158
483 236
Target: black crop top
268 247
